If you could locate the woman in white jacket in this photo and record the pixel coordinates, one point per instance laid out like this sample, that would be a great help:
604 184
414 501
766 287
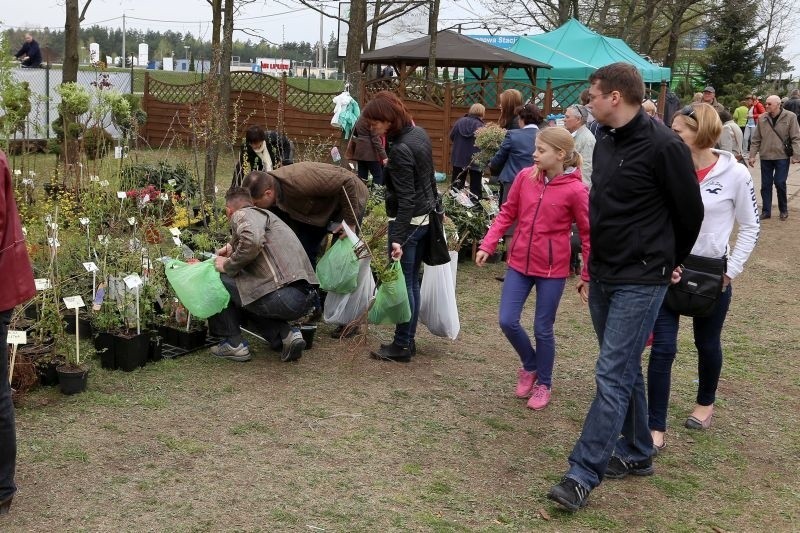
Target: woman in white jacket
728 198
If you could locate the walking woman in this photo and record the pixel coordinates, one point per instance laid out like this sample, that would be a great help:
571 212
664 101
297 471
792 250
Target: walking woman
463 148
410 195
543 201
728 198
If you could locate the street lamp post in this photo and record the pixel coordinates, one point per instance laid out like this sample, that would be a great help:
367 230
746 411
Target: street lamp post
186 47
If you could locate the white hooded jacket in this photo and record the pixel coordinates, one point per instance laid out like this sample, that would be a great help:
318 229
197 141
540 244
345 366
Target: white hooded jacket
728 198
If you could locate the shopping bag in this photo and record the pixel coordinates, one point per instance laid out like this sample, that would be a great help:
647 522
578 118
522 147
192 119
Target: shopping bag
437 301
198 287
337 271
391 301
341 309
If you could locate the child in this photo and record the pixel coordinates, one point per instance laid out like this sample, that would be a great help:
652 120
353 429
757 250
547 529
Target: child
544 200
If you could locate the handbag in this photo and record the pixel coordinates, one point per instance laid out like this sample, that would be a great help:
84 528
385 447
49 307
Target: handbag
699 287
436 253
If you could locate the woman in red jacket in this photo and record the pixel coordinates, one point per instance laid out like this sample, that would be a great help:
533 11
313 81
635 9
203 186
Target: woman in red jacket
544 200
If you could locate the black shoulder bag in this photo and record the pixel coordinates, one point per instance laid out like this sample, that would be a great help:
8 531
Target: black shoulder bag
699 288
436 253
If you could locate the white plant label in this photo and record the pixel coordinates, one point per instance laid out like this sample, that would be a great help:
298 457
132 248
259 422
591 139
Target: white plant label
53 225
17 172
74 302
175 231
177 241
132 221
103 239
16 336
146 264
53 242
84 221
48 219
164 197
94 178
171 182
146 198
132 281
121 195
104 183
24 230
90 267
42 284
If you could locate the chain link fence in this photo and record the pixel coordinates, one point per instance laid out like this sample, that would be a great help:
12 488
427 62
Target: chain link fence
45 99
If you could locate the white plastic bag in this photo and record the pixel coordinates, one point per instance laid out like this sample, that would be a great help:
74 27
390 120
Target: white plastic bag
437 301
341 309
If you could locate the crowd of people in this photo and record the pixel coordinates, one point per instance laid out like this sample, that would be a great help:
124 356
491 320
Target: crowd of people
636 199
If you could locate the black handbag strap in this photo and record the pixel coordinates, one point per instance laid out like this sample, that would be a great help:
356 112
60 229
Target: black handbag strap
771 125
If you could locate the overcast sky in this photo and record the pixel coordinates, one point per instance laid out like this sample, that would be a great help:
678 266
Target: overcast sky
266 19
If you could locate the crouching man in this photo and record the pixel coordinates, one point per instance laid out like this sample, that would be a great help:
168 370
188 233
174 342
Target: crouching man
267 274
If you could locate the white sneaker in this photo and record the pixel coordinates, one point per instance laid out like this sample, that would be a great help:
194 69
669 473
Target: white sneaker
240 353
293 346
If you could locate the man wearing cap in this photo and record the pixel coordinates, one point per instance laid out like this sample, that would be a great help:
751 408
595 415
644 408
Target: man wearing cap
776 129
710 98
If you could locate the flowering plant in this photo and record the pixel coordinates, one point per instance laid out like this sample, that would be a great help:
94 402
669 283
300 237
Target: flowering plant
488 139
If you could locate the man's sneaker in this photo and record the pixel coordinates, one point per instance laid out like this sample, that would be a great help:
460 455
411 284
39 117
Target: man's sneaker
570 494
618 468
224 349
525 381
392 352
540 398
293 346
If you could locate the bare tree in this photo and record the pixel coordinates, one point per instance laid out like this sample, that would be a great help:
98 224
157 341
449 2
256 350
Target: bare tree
75 15
778 20
433 22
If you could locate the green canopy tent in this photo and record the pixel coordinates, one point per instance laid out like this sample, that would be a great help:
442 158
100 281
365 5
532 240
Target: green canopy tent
574 52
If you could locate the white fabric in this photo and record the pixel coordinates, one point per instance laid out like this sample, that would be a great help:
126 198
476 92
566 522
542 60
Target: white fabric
342 101
263 153
728 198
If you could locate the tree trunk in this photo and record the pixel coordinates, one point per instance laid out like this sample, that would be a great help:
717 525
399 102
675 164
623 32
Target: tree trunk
212 90
433 22
69 70
647 26
356 34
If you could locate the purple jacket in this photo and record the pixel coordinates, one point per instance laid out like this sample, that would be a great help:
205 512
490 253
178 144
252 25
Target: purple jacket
463 137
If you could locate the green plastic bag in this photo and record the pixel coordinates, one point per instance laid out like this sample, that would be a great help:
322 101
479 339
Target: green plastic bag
391 301
337 271
198 287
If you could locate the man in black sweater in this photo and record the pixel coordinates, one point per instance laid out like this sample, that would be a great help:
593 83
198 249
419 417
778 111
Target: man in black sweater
645 214
29 55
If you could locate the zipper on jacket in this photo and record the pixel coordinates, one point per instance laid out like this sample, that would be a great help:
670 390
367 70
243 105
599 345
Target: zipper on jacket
533 225
550 257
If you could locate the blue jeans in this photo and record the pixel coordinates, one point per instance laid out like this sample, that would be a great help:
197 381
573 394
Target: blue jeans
623 317
8 435
365 168
516 289
411 262
273 311
774 171
707 333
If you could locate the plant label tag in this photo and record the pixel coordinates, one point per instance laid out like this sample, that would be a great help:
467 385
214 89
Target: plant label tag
24 230
177 241
121 195
99 294
146 264
94 178
42 284
216 189
27 181
90 267
164 197
103 239
132 281
146 198
171 182
48 219
17 172
134 245
175 231
118 152
53 242
53 225
16 336
187 252
132 221
74 302
84 221
104 183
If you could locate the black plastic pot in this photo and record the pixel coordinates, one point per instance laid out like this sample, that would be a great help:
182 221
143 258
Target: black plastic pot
156 350
84 326
188 340
308 333
104 346
131 352
71 379
48 374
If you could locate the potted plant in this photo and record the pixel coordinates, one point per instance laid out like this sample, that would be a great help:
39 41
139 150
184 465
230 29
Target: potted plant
73 376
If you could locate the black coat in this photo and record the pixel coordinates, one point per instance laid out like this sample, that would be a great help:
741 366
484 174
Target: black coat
409 180
280 151
645 209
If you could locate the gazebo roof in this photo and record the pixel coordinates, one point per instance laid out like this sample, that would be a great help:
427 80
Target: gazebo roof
452 50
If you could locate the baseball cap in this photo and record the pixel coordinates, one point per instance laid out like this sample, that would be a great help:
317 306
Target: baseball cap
709 89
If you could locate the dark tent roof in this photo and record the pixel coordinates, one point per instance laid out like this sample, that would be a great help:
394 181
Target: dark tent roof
452 50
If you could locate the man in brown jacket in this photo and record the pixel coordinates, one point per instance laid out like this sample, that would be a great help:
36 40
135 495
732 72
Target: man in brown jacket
18 287
776 129
310 198
267 274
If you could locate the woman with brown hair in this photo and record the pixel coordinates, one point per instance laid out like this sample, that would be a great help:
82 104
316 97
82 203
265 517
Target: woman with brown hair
510 100
410 197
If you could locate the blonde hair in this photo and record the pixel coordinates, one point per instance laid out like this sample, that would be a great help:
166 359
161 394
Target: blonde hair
561 139
649 107
477 109
704 121
697 98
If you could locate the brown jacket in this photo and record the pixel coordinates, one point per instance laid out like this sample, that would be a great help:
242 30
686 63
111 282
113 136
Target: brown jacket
768 143
363 145
266 254
319 193
15 265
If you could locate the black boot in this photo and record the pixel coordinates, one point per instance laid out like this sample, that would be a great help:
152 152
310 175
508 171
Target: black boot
392 352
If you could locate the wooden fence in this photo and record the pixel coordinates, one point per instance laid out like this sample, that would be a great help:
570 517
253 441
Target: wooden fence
175 113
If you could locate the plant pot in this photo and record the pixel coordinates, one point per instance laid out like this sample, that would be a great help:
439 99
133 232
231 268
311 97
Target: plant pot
104 347
156 350
48 374
179 337
308 333
72 379
131 352
36 351
84 326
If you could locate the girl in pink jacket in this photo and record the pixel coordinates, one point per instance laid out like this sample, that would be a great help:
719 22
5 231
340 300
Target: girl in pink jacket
544 200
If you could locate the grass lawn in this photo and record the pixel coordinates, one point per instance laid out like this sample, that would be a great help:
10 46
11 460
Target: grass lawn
340 442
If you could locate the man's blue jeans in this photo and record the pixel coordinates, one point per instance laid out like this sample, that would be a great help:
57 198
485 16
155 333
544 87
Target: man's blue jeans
707 333
623 317
774 171
411 262
516 289
8 436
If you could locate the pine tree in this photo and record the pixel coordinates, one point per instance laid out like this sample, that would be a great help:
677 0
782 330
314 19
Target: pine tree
733 38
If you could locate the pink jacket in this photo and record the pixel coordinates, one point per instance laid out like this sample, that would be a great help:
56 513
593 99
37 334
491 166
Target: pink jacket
544 213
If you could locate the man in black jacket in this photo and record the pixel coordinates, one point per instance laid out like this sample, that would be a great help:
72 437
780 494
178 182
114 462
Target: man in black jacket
29 55
645 214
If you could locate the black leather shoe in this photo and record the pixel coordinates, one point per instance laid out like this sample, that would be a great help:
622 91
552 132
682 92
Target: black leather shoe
784 216
5 505
392 352
411 347
765 216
